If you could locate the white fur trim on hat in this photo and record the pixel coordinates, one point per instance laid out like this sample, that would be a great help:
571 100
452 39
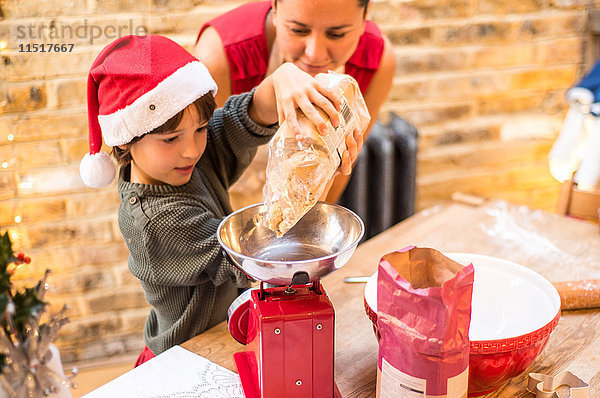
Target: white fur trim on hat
154 108
97 170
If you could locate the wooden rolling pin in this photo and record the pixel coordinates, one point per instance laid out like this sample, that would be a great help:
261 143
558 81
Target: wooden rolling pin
577 295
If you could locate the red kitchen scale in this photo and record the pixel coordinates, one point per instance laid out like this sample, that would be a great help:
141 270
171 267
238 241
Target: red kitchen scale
288 327
289 336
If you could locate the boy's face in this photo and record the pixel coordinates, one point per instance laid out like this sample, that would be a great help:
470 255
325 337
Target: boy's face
169 158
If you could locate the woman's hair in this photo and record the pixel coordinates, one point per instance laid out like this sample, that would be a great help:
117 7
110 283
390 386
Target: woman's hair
361 3
205 107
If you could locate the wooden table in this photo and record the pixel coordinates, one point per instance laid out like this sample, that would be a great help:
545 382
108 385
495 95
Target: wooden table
557 247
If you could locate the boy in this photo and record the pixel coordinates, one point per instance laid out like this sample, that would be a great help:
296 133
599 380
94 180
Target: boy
153 103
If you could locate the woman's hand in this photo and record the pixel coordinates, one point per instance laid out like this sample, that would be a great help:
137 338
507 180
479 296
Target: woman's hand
297 89
354 143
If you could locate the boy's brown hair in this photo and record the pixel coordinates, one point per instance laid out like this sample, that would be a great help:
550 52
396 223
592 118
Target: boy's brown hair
205 106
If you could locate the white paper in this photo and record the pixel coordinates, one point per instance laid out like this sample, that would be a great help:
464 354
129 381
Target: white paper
176 373
396 384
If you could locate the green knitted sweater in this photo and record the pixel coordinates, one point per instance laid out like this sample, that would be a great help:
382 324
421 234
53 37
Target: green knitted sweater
170 232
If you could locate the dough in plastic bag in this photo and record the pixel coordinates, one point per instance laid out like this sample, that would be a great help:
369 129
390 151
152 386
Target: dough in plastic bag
298 170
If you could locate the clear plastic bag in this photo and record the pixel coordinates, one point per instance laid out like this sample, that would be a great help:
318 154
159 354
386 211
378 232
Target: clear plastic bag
298 170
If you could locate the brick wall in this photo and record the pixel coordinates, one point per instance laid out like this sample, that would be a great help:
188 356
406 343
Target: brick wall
483 81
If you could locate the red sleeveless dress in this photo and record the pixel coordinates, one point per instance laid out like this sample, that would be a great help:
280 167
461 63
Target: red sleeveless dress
242 31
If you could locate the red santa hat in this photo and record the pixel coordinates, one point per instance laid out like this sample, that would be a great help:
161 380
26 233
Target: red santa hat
136 84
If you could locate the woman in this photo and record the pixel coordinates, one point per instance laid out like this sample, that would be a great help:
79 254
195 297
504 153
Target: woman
244 45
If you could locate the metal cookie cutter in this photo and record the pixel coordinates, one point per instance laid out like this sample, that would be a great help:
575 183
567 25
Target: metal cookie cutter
544 386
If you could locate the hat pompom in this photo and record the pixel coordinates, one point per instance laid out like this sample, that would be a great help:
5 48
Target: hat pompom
97 170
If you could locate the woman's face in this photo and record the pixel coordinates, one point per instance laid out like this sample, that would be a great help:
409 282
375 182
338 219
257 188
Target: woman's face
318 35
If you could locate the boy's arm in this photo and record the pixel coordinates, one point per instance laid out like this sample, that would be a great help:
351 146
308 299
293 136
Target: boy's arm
263 108
178 247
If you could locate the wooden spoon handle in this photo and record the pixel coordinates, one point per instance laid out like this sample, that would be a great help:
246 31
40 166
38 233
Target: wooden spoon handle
575 295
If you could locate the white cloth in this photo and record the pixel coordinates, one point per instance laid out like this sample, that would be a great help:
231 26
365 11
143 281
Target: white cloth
176 373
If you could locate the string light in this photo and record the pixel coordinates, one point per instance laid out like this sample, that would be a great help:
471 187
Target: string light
11 137
18 219
3 45
4 164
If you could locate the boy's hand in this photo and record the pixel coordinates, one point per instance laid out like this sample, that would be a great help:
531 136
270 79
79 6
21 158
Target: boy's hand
297 89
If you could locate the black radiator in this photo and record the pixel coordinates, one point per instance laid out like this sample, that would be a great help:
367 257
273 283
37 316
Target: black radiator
382 187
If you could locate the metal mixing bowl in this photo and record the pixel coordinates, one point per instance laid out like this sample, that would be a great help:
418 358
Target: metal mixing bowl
321 242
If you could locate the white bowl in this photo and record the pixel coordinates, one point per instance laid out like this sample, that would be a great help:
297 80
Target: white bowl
513 312
508 299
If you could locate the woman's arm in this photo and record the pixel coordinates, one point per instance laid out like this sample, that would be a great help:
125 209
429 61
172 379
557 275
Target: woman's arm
210 51
354 144
376 95
381 84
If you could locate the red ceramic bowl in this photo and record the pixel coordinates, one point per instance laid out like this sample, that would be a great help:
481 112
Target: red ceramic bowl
513 312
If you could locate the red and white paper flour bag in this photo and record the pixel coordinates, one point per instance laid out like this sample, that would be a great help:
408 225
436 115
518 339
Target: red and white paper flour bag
423 315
